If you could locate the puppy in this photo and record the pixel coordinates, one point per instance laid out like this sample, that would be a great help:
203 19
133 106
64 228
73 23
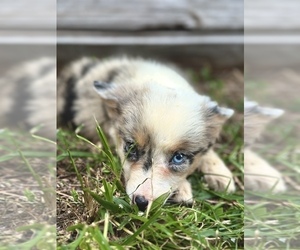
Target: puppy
259 174
28 97
162 129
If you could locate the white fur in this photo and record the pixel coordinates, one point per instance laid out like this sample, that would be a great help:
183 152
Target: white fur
158 102
260 175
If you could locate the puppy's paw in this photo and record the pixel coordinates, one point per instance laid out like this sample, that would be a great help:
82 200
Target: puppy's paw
216 174
220 182
184 193
260 175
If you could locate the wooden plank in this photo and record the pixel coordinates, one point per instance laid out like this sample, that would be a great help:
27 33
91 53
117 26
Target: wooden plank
27 14
150 15
272 15
147 38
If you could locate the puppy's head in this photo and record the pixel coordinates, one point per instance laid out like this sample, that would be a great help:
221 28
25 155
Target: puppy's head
160 131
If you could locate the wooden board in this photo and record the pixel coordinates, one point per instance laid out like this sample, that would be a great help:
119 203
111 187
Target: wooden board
204 15
150 15
27 14
271 15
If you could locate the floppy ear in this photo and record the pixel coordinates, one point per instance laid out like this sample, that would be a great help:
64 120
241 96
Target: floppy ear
215 117
109 93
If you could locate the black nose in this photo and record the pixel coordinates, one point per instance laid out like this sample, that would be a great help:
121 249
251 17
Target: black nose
141 202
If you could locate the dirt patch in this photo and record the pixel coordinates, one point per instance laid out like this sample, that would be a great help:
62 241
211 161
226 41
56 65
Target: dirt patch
27 189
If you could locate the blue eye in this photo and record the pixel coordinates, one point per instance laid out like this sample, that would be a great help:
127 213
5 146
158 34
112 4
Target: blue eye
178 158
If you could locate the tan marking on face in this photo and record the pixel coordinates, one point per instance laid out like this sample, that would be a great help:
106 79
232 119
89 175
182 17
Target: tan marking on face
213 132
183 145
135 166
141 138
215 118
214 126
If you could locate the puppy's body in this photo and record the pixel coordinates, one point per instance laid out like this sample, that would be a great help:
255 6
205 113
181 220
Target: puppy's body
28 96
162 129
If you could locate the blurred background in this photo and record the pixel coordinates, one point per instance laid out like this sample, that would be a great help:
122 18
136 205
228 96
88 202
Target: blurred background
28 31
272 80
27 34
27 124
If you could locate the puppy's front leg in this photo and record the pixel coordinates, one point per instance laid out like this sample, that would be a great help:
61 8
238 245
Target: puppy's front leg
260 175
184 193
216 174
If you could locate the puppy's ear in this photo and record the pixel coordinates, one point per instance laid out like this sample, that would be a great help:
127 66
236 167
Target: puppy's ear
252 108
109 93
215 117
256 118
216 113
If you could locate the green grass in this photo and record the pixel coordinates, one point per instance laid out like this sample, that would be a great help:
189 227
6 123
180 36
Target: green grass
214 221
99 213
27 199
272 221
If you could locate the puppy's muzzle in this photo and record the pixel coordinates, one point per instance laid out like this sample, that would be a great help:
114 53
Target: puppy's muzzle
141 202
